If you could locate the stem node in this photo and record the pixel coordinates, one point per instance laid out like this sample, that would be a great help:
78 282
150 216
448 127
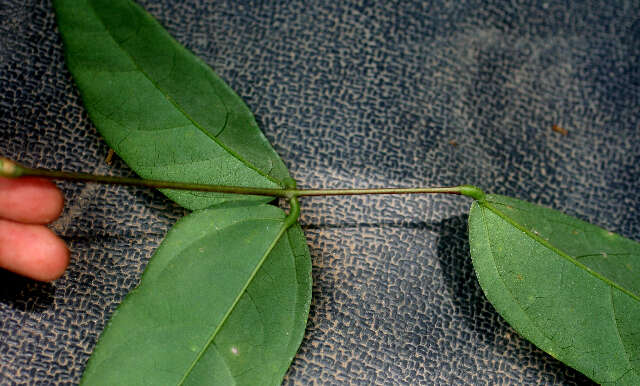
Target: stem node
472 191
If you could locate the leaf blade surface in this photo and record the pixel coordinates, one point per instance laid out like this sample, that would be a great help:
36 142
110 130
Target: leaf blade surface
182 324
163 110
558 281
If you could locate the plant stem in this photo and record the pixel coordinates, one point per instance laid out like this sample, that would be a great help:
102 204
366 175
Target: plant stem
11 169
351 192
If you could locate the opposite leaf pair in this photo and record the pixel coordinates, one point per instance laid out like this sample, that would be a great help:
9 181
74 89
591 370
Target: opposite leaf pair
226 296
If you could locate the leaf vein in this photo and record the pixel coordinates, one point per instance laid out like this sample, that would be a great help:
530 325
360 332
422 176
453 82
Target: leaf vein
234 304
182 111
515 299
557 250
615 323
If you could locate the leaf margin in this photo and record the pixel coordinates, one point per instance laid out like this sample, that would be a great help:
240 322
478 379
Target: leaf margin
505 307
290 233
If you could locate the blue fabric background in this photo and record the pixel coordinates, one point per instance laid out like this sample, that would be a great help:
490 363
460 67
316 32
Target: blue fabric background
351 94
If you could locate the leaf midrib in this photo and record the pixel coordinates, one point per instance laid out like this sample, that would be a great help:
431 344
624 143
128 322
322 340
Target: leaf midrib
241 293
557 250
184 113
561 253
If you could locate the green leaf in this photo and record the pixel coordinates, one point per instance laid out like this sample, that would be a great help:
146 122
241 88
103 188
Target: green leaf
163 110
570 287
191 321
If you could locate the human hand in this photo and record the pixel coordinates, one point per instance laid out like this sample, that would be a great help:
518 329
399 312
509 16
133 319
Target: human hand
27 246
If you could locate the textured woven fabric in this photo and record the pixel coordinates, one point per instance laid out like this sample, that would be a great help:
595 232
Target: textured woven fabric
351 94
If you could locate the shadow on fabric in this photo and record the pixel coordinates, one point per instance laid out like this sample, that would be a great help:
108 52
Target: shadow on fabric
25 294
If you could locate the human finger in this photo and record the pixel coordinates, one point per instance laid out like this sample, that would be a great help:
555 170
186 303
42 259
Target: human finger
30 200
32 250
